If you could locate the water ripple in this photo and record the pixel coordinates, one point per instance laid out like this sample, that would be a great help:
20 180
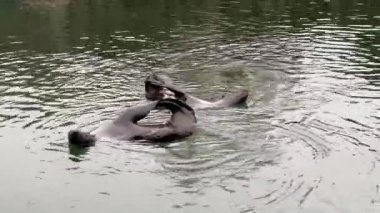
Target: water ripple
313 107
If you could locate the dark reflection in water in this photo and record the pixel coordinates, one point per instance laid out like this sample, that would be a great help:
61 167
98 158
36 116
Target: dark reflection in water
308 140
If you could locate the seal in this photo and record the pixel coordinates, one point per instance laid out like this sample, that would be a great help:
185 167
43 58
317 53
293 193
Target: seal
159 86
181 124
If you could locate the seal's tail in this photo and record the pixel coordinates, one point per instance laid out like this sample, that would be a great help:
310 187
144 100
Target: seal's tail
82 139
235 98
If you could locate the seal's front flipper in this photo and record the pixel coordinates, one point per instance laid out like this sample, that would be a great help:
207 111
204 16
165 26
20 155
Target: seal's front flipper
136 113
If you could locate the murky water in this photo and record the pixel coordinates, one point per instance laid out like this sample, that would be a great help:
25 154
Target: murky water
309 140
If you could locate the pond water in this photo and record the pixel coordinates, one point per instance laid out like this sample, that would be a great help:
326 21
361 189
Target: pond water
308 141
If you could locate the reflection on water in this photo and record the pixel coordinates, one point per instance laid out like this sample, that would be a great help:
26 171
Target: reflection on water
308 141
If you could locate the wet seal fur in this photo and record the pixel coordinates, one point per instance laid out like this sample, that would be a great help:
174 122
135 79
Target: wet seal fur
157 86
181 124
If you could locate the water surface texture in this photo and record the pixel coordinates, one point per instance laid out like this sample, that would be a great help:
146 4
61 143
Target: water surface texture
308 141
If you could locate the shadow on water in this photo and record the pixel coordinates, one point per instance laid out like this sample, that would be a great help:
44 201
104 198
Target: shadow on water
77 151
306 141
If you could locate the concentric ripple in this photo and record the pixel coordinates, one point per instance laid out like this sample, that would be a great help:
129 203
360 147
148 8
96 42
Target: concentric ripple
306 141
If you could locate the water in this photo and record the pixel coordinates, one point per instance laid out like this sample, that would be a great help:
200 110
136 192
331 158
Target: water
308 141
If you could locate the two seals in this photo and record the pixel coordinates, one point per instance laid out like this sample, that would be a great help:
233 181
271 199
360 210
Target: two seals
181 123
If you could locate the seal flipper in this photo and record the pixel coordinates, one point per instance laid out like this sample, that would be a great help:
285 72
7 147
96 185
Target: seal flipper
233 99
136 113
182 122
174 105
183 117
